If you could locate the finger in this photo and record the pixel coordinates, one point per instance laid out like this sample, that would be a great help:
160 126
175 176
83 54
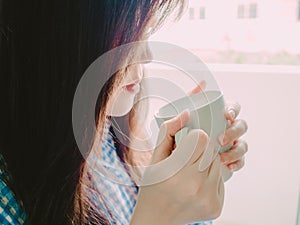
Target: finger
232 111
165 141
235 153
236 130
199 88
172 126
193 144
239 164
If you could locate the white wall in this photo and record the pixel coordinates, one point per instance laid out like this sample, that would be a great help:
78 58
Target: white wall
266 190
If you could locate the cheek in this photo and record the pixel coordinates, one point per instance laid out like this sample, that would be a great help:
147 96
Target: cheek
133 74
120 103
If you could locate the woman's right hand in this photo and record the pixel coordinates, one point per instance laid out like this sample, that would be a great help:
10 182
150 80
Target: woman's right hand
188 195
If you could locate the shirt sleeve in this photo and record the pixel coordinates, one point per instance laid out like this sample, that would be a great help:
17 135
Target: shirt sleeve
202 223
10 210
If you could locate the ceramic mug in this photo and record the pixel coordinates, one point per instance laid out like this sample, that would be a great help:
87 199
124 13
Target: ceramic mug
207 112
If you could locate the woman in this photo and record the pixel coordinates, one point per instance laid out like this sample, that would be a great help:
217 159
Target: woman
45 48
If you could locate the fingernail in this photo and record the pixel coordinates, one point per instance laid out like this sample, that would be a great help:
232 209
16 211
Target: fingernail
232 114
203 84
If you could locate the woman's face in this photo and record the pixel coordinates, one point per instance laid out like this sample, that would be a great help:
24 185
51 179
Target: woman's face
122 99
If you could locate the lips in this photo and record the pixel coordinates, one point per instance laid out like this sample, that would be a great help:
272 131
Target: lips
133 88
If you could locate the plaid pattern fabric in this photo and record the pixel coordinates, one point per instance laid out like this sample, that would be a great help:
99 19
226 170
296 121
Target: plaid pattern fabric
112 180
10 210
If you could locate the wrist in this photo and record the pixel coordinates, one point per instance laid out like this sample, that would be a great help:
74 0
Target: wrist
152 210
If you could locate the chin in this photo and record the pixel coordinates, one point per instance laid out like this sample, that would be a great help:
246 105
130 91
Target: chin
122 105
118 112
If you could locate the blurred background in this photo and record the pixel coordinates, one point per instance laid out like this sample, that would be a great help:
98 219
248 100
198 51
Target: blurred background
253 50
239 31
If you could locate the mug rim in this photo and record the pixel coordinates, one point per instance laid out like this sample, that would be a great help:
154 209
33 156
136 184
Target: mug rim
220 95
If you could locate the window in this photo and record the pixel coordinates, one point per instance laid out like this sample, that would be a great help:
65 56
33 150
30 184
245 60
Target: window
202 13
247 29
299 10
247 11
191 13
253 11
241 11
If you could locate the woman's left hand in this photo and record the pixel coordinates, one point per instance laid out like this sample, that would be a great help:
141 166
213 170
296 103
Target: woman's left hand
234 158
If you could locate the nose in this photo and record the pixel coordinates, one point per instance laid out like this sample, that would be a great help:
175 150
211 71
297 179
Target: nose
149 54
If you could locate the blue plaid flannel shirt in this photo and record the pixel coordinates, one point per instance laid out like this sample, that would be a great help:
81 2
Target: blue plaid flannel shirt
11 212
114 183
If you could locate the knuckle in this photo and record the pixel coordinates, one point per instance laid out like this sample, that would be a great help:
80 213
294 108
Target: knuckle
232 131
245 146
245 125
243 162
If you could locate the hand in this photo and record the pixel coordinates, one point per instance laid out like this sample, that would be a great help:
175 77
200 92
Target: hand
234 158
188 195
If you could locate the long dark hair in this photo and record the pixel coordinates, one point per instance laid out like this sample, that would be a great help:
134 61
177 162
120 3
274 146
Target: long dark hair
45 47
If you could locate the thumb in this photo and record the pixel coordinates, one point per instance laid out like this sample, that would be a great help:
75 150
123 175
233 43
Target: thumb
166 140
